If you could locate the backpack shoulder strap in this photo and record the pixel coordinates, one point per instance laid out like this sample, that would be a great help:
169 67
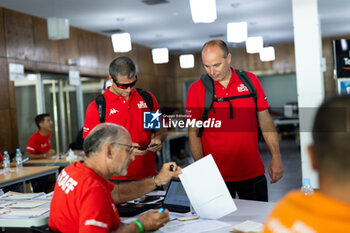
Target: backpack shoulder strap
101 107
146 97
208 98
243 76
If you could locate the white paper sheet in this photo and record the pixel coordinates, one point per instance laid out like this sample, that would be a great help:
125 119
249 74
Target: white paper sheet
248 226
13 196
206 189
23 204
22 213
200 225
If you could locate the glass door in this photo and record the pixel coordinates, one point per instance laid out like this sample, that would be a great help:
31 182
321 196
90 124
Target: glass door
64 103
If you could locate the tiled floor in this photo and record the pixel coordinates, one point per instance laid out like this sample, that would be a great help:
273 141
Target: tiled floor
292 169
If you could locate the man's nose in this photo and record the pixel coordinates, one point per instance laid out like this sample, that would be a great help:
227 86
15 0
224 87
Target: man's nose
212 70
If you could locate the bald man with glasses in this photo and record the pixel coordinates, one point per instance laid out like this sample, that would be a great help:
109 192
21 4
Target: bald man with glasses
125 106
84 200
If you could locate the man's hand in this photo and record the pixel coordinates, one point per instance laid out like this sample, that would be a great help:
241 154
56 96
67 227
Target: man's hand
51 152
165 174
155 145
153 220
138 152
275 169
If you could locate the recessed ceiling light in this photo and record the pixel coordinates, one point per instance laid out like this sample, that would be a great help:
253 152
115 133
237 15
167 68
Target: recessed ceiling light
120 19
235 5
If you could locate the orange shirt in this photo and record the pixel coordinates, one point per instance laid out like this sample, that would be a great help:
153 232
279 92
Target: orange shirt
297 213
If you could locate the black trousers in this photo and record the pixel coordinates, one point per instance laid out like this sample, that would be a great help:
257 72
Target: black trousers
253 189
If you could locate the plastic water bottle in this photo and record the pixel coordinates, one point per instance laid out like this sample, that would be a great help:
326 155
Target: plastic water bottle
6 162
19 161
307 188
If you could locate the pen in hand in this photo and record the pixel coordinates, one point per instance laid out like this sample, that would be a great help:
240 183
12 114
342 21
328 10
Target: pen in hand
161 209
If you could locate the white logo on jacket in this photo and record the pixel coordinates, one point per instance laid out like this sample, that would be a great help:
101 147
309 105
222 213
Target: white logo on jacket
113 111
242 88
142 104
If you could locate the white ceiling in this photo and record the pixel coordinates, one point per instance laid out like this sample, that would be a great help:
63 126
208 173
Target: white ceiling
170 24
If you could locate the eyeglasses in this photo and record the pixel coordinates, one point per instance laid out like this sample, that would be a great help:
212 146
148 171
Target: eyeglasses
130 148
125 85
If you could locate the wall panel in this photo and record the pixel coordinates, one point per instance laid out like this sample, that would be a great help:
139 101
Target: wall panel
45 50
2 35
19 35
4 84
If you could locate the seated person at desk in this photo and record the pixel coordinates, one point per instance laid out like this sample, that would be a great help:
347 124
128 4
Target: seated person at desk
39 144
328 209
83 199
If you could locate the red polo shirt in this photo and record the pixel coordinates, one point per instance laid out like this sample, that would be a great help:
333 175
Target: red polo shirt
39 144
82 202
234 145
128 114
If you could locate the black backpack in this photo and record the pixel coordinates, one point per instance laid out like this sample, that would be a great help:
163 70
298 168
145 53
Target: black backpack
101 103
210 93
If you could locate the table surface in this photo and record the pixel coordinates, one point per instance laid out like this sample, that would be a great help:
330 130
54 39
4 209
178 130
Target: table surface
246 210
56 160
25 172
256 211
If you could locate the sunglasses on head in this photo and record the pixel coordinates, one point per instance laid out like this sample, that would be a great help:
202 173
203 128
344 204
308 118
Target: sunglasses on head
125 85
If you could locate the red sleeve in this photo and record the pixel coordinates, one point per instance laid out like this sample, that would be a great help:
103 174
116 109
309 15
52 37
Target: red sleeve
195 101
1 158
32 147
91 118
96 212
262 102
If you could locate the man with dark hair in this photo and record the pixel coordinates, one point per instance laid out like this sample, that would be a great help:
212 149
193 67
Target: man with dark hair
124 105
39 144
234 146
328 209
83 199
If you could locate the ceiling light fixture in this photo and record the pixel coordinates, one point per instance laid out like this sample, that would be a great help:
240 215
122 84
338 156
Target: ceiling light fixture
254 44
237 32
203 11
121 42
267 54
160 55
57 28
186 61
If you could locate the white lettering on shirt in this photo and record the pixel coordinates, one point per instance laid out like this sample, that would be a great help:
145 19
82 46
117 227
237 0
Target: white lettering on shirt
113 111
242 88
66 183
142 104
93 222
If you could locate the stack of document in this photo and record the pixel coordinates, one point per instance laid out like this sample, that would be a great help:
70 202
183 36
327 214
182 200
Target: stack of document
21 205
22 213
15 196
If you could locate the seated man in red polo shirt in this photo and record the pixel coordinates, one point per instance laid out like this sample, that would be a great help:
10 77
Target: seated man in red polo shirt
84 200
39 144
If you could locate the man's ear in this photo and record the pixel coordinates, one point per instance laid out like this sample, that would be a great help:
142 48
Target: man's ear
312 157
109 150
